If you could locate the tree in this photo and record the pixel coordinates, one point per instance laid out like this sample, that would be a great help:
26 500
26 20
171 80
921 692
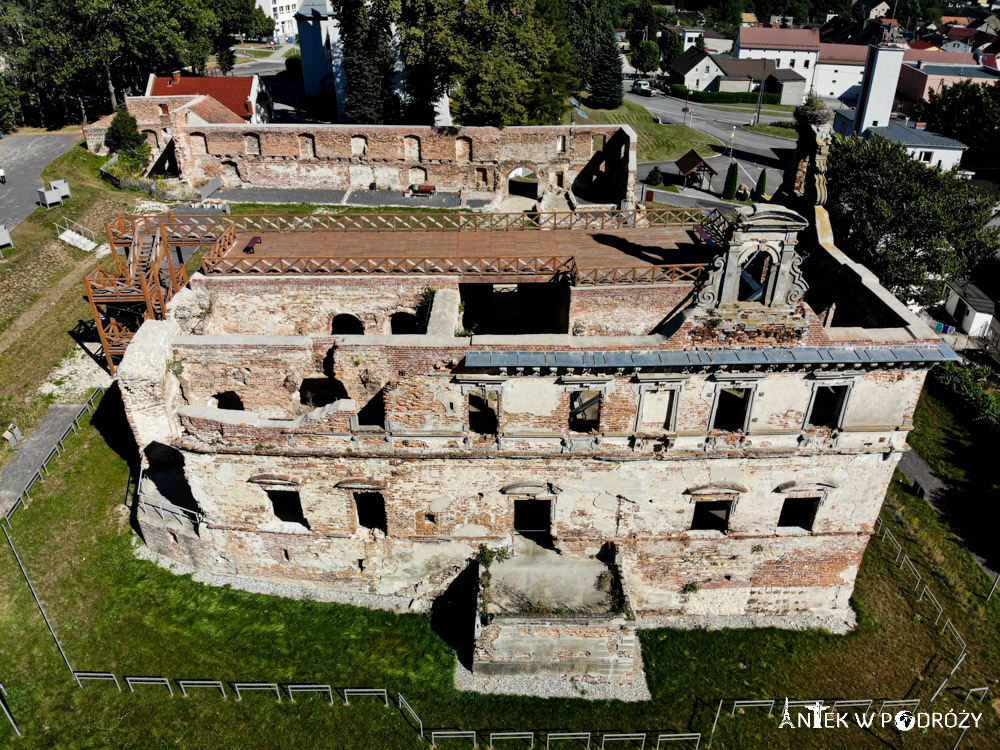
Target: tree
914 226
606 81
670 49
642 27
123 132
585 23
760 189
967 112
699 41
548 96
646 57
732 181
225 56
655 176
261 25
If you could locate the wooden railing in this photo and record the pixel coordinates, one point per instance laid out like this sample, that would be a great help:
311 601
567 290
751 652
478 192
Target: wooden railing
639 274
548 267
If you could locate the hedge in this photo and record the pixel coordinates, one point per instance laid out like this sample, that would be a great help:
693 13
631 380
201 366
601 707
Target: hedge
722 97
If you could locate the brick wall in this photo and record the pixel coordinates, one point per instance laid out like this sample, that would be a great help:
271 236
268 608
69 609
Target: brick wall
343 156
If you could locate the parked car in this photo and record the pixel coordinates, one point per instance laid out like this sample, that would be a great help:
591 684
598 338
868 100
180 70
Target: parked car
643 88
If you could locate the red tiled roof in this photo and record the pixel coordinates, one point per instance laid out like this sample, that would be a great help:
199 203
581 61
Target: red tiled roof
920 44
214 112
844 54
231 91
761 37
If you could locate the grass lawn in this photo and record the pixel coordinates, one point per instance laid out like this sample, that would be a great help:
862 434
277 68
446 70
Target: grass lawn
293 52
664 188
768 129
116 613
25 130
35 266
656 142
741 106
258 53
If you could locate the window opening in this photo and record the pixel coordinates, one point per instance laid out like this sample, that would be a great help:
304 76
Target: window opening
753 276
597 144
657 410
371 511
405 323
533 520
585 411
372 414
798 512
317 392
482 413
731 409
347 325
561 144
827 406
711 515
287 506
229 400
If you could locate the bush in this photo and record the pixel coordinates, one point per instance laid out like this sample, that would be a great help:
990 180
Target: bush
293 65
962 384
761 189
678 89
655 176
131 161
123 132
732 182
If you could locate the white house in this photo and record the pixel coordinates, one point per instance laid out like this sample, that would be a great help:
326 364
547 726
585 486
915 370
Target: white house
970 308
715 42
839 70
870 10
695 69
795 49
283 12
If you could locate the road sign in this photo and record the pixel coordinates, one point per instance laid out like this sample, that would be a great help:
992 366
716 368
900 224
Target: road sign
574 102
581 113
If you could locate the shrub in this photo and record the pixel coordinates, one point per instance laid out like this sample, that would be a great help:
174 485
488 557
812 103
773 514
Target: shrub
132 161
731 97
761 189
293 65
678 89
732 182
655 176
123 132
962 384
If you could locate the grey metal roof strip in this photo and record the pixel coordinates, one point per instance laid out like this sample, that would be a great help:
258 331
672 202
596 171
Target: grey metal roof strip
689 358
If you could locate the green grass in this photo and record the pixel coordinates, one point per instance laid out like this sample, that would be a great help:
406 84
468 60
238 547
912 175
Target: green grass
656 142
661 186
740 106
257 53
768 129
114 612
293 52
37 262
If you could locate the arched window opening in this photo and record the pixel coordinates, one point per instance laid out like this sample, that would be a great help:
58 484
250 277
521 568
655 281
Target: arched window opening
317 392
754 275
403 323
347 325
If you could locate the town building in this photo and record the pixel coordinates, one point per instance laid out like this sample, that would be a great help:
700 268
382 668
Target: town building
795 49
917 80
870 10
245 96
688 37
748 20
839 70
696 69
283 12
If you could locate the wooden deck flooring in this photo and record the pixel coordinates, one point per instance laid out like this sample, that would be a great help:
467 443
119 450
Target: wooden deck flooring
590 248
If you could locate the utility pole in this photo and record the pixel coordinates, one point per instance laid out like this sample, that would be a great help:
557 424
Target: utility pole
760 95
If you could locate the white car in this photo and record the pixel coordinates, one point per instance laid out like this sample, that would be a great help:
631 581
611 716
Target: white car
643 88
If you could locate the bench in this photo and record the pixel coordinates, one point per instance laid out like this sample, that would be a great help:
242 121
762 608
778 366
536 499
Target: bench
61 187
703 235
421 190
254 241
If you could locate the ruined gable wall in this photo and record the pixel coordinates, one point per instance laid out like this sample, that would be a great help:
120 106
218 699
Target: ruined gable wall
392 156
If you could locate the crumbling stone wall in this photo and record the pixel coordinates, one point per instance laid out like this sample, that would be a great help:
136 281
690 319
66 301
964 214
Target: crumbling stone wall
351 156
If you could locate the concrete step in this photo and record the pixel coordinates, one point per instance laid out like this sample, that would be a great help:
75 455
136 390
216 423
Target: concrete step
78 240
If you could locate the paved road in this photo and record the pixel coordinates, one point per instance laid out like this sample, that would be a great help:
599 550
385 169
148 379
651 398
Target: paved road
753 151
22 158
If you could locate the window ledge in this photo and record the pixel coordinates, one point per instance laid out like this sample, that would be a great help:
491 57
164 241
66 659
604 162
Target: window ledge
792 531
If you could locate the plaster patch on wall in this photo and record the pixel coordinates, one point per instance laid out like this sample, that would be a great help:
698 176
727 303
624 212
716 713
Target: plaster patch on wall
538 397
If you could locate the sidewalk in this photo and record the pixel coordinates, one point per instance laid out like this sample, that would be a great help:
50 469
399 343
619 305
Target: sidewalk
34 452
